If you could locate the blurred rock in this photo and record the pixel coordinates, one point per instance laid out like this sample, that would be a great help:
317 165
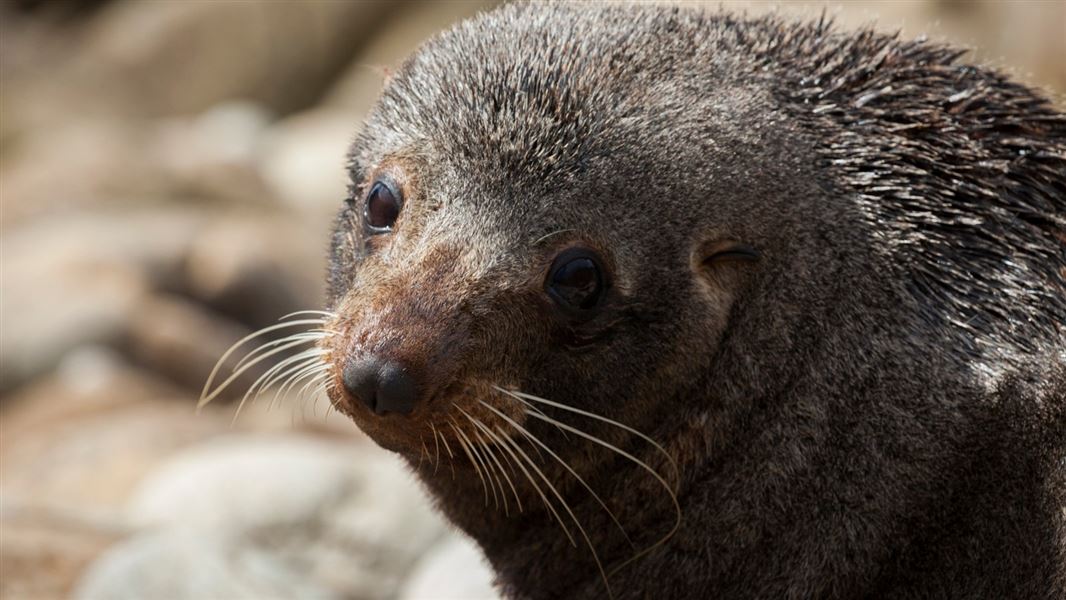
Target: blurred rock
303 160
176 565
258 269
84 437
183 341
399 34
112 163
314 505
74 281
221 485
169 58
42 558
454 568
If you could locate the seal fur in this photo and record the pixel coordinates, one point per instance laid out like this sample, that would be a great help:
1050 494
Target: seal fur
875 407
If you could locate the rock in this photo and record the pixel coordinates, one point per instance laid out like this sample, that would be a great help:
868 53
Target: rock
345 515
74 281
302 159
181 565
181 340
244 482
258 269
42 557
398 36
279 53
125 163
454 568
85 437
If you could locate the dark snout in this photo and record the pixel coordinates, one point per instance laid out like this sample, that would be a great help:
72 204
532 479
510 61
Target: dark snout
384 386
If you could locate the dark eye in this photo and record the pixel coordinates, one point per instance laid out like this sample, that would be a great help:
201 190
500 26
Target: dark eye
576 280
383 204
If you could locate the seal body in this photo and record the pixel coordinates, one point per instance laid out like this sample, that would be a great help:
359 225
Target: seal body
809 284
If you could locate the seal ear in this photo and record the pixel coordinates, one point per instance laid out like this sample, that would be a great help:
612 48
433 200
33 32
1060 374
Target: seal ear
729 252
716 261
713 253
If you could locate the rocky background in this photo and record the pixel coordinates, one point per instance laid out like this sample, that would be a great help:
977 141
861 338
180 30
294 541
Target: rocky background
168 172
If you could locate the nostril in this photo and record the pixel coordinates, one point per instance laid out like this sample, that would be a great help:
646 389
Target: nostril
383 386
397 391
360 378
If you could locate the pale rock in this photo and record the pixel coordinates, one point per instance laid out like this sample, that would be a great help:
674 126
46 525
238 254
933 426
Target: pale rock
454 569
257 268
302 159
244 482
175 565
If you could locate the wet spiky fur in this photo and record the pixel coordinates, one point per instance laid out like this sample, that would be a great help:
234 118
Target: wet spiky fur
876 408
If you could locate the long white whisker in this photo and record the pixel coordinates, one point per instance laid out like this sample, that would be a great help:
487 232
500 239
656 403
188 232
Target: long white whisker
562 462
495 466
267 379
544 498
436 447
315 379
481 460
448 449
503 472
241 342
566 507
459 438
222 386
307 369
282 370
643 465
666 455
306 337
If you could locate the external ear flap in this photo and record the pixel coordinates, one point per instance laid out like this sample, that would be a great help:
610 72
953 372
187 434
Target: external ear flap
726 251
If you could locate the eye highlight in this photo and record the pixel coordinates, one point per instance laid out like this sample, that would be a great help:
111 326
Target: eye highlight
382 207
576 280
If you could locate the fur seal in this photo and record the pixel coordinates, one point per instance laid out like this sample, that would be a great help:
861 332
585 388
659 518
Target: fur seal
664 303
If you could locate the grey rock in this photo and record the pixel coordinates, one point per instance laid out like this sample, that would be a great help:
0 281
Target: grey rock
74 281
454 569
173 565
257 268
183 341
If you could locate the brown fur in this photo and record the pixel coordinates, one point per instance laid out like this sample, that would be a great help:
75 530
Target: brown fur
874 408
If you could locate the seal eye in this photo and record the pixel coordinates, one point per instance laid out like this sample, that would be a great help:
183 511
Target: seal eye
576 280
383 204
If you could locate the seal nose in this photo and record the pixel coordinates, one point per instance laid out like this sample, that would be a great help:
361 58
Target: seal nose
383 386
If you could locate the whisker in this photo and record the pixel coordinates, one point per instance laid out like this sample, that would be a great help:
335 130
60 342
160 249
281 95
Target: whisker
566 466
310 373
277 372
488 452
259 384
544 498
459 439
484 464
205 398
666 455
643 465
436 447
421 455
241 342
316 379
295 375
451 457
324 313
477 423
307 337
566 507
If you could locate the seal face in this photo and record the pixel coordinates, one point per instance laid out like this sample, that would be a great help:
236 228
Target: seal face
604 266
